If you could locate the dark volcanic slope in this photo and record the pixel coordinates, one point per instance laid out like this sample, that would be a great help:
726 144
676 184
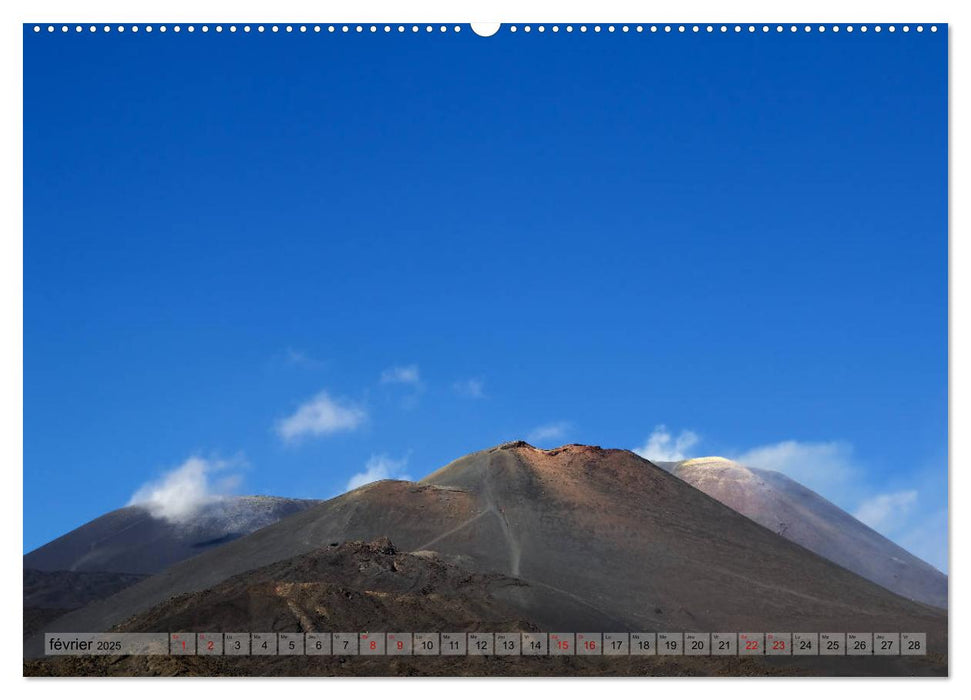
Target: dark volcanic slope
371 587
355 586
72 589
803 516
130 541
50 594
631 546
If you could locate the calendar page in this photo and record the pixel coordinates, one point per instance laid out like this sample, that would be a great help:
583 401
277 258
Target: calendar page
515 349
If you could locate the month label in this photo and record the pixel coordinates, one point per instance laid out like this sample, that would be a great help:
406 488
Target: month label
106 643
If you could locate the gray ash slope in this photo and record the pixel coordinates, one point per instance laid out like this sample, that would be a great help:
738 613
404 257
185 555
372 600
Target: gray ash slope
131 540
799 514
601 539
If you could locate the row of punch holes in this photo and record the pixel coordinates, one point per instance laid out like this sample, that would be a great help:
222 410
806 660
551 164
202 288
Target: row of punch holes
512 28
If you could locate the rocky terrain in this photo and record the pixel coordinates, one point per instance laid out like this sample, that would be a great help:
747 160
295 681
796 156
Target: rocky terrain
514 537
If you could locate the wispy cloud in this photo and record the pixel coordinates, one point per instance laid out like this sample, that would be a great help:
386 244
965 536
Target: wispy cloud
181 492
402 375
545 433
913 518
924 534
880 510
299 358
379 467
820 466
470 388
321 415
662 446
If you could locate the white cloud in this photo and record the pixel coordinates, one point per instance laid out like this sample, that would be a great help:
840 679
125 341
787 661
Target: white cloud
820 466
179 493
379 467
321 415
924 534
885 508
662 446
548 432
298 358
470 388
912 518
401 375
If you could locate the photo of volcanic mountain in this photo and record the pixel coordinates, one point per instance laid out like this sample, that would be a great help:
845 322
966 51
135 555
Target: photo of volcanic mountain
515 538
517 349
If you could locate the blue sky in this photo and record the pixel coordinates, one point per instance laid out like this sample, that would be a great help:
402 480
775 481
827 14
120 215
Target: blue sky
303 258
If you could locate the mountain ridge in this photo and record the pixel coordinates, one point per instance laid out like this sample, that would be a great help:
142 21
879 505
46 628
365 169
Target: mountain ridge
804 516
608 539
131 540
